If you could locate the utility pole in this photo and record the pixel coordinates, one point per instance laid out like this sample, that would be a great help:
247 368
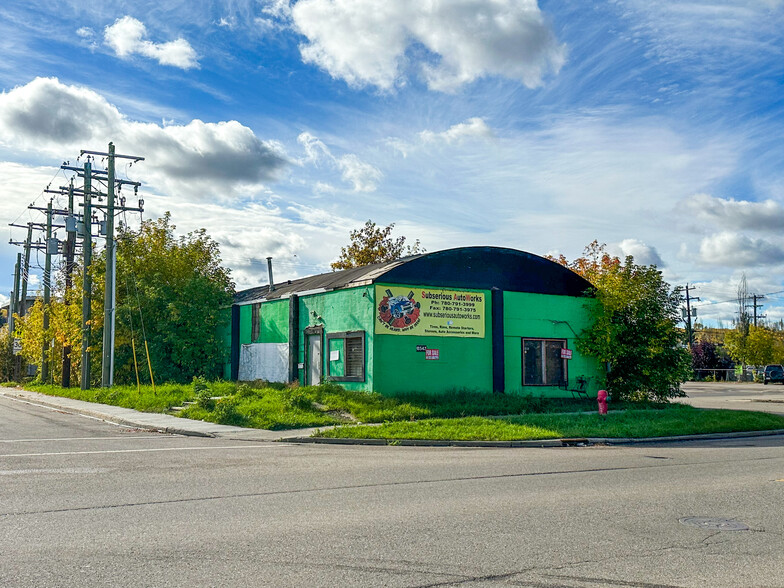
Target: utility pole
13 305
26 272
69 248
87 283
51 246
756 297
13 308
107 365
689 331
107 373
20 301
47 294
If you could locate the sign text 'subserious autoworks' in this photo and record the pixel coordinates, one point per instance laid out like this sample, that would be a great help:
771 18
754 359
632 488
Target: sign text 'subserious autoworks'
406 310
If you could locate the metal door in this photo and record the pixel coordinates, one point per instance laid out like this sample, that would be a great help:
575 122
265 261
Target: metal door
314 359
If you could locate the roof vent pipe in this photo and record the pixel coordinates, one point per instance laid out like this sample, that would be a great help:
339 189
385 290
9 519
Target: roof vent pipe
269 271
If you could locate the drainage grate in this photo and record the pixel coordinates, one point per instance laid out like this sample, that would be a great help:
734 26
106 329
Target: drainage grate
713 523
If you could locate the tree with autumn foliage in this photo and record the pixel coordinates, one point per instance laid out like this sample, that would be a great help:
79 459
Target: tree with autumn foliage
759 346
635 326
373 244
172 293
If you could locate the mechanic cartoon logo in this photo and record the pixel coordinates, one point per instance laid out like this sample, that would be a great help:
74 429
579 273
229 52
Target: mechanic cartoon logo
398 313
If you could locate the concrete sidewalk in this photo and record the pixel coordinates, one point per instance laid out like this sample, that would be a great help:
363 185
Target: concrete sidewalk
149 421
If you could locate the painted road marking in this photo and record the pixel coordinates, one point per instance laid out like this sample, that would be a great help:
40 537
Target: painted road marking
79 471
145 450
126 437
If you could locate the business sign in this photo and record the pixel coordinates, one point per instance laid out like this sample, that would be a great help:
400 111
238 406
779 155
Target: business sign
566 353
431 354
405 310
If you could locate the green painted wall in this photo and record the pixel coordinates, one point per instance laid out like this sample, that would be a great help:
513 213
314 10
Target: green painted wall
464 362
547 317
341 310
274 322
246 314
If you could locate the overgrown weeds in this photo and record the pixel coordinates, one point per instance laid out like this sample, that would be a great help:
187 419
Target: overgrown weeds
268 405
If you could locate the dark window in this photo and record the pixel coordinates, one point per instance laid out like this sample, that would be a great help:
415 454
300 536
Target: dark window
255 322
542 362
346 356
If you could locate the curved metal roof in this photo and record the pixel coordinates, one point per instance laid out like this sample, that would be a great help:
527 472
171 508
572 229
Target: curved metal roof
462 267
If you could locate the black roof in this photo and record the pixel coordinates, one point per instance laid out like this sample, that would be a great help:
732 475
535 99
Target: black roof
462 267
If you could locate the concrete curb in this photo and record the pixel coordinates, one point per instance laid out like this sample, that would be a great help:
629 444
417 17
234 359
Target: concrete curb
424 442
535 442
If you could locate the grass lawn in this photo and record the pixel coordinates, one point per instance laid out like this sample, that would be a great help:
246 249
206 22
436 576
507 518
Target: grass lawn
275 406
634 423
457 415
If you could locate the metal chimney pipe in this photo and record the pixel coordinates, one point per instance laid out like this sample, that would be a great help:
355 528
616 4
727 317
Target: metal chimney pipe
269 271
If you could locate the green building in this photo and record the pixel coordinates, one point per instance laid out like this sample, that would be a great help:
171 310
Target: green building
483 318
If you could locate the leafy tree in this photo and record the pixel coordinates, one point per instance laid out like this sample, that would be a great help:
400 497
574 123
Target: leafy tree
705 355
756 348
634 326
6 355
65 328
594 263
170 290
173 291
372 244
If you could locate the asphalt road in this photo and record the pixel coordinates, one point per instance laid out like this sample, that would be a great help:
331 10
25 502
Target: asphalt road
735 396
84 503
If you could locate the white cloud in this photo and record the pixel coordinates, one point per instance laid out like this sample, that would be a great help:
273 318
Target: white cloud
462 41
361 175
643 254
315 149
736 214
24 185
704 32
473 128
738 250
249 233
4 300
202 159
85 32
127 37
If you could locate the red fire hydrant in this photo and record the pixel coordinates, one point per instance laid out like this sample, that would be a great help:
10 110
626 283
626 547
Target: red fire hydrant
601 399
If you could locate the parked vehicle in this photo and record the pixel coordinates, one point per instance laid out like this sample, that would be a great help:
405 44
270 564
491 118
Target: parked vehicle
773 373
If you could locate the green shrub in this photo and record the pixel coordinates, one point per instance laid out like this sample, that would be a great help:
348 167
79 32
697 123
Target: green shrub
226 412
298 398
245 391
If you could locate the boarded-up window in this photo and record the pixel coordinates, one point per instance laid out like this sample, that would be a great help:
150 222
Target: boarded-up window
255 322
346 356
542 362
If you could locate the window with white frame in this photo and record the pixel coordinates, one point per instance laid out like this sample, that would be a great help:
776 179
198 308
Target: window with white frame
542 362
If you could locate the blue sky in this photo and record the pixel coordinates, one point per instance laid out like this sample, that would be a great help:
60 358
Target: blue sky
280 126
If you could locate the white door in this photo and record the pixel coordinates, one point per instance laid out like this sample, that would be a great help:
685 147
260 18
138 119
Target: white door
314 359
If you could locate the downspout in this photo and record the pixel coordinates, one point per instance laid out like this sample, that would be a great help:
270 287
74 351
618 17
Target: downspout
497 325
293 338
235 342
